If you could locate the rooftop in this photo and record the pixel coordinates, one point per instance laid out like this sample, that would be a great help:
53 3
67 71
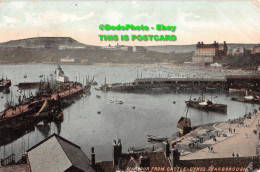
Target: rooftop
59 155
16 168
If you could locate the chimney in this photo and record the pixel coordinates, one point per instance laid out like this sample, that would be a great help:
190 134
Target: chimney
198 45
166 148
93 157
144 161
117 152
24 158
175 157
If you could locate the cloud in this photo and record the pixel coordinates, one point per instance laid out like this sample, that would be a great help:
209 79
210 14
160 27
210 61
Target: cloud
7 21
113 17
189 20
135 4
18 5
55 17
143 15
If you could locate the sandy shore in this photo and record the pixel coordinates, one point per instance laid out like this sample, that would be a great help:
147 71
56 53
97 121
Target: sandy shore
240 142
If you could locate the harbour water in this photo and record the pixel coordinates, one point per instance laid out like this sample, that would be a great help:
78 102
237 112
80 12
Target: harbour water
154 114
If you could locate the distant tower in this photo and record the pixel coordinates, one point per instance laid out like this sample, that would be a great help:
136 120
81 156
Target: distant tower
225 48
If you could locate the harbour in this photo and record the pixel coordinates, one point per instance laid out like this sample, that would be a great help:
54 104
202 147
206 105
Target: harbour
82 90
83 124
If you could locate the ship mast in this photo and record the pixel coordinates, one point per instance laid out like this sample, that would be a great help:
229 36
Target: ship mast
188 107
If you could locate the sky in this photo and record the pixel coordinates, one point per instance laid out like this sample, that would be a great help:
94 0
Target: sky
233 21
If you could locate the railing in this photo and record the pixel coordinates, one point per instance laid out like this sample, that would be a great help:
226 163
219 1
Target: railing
8 161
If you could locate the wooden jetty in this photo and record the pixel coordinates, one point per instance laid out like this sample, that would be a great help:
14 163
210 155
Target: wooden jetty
185 84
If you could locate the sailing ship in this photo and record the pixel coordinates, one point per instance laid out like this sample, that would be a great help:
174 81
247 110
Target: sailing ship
207 105
184 124
87 87
93 82
105 86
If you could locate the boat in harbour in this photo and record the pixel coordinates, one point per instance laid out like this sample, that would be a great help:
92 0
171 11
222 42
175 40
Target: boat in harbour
19 116
156 139
5 84
253 99
207 105
105 86
116 101
93 82
184 124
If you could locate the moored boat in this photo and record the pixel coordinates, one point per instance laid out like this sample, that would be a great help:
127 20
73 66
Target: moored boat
207 105
19 116
116 101
93 82
5 84
184 124
255 100
156 139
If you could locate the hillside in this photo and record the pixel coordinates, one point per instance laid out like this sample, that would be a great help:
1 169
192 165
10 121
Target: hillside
43 42
191 48
53 49
173 48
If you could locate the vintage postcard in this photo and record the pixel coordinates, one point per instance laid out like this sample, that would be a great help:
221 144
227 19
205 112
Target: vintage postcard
145 85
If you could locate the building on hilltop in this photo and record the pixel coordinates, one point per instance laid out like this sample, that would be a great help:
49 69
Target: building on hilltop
256 50
67 60
209 53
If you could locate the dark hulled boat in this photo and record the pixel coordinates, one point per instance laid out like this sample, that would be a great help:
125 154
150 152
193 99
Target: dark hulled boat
207 105
248 99
184 124
5 84
20 116
255 100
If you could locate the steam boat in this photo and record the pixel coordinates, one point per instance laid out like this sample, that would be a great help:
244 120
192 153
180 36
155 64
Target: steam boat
248 99
5 84
207 105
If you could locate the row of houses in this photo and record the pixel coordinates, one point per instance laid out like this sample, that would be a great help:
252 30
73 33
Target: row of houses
210 53
125 48
56 154
244 51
